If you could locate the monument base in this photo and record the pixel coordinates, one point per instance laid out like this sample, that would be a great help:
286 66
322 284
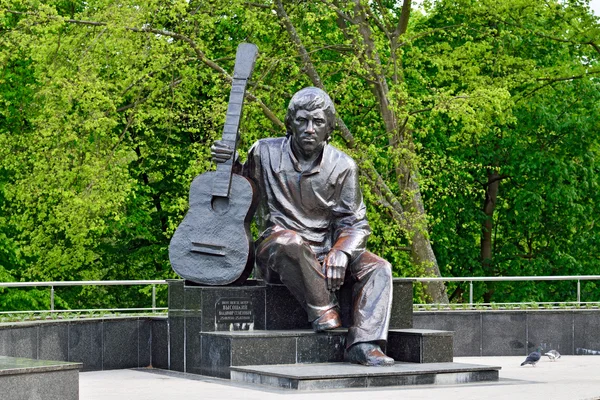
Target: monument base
344 375
259 333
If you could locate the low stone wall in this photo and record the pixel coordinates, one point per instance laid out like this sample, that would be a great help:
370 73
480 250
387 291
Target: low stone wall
136 342
516 333
99 343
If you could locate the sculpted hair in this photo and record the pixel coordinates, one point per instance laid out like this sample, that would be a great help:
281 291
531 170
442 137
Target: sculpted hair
310 99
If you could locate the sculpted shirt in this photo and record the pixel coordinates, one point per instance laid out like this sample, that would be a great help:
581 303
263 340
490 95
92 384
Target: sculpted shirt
323 205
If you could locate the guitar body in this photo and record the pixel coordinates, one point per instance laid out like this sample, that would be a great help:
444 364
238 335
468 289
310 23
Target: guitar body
213 244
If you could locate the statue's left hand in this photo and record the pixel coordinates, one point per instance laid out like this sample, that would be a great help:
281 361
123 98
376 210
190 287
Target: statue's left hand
335 264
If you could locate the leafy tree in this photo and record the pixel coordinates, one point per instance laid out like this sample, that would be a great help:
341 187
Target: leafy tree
521 89
482 113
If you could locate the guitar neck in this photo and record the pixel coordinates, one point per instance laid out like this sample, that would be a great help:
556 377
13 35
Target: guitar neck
222 182
244 64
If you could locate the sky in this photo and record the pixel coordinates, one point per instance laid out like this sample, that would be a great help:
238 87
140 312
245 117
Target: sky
595 6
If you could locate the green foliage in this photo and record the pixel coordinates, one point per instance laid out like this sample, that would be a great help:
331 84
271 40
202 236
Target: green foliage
108 110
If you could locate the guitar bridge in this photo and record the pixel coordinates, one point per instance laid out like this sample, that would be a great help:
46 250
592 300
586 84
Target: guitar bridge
207 248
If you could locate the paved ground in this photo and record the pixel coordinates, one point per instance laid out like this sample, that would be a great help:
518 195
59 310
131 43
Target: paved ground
571 377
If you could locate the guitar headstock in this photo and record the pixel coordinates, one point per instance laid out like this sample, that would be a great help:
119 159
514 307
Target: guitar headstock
245 58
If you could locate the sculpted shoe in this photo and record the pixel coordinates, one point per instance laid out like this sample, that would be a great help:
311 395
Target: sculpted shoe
329 320
367 354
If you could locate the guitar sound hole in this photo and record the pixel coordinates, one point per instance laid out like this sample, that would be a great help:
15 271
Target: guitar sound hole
220 205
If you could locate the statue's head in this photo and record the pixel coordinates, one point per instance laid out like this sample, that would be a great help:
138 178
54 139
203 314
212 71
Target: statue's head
311 99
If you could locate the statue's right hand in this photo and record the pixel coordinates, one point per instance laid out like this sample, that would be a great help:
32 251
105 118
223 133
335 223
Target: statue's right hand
220 151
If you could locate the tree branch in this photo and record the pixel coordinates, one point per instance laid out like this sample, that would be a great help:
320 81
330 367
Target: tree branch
339 12
377 22
551 81
404 17
554 38
386 196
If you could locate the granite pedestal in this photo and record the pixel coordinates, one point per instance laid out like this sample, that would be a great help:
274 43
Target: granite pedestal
195 311
26 379
214 331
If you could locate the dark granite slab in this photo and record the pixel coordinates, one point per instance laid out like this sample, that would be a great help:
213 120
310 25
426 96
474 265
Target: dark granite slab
505 334
546 329
282 310
420 345
586 325
224 349
53 342
176 296
267 350
176 337
402 304
216 356
320 348
86 343
144 342
160 343
27 379
273 307
344 375
19 342
193 346
465 325
121 344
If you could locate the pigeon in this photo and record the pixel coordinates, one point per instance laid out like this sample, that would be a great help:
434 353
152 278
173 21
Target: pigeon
532 358
553 355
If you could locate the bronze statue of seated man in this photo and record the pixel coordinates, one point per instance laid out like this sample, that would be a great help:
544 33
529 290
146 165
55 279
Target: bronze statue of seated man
314 226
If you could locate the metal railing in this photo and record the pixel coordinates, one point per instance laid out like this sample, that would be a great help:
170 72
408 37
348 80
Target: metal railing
87 283
153 308
471 279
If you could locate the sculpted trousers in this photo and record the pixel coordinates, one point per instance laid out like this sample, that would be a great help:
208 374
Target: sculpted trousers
284 256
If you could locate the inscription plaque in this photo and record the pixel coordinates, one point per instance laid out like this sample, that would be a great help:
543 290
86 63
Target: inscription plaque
234 310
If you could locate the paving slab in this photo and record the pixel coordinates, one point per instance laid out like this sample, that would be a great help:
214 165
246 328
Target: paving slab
569 378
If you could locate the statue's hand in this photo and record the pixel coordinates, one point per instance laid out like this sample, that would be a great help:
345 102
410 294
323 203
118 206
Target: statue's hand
335 264
220 151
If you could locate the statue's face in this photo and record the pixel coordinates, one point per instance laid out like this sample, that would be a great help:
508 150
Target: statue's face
310 131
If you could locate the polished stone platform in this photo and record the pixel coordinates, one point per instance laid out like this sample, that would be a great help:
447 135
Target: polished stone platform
26 379
221 350
201 319
343 375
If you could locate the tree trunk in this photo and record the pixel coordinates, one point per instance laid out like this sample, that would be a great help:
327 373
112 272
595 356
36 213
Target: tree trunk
489 205
406 171
422 253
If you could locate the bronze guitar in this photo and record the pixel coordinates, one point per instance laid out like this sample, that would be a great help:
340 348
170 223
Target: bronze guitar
213 244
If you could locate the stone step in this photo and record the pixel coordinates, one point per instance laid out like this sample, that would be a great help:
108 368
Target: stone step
24 379
420 345
325 376
221 350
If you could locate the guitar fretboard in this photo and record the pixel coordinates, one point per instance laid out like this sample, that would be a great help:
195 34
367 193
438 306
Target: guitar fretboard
222 180
244 64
